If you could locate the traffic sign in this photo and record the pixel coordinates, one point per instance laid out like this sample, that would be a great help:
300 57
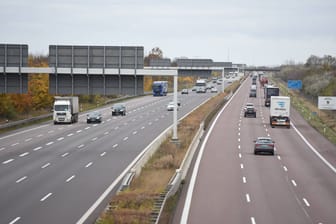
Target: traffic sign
294 84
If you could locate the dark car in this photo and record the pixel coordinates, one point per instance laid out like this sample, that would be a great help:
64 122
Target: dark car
249 110
94 117
118 109
264 145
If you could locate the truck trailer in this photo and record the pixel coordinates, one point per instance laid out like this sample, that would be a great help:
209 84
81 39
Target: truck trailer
280 111
66 109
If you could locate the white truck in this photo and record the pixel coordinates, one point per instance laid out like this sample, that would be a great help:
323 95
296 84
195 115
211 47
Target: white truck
65 109
280 111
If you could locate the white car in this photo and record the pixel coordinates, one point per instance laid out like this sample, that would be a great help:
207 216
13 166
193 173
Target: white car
171 106
214 90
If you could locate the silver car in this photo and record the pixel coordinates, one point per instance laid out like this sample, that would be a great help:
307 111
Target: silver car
264 145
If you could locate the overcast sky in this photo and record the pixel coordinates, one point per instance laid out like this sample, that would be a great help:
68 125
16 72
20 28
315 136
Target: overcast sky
253 32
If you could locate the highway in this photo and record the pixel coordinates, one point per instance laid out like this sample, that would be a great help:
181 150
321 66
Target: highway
229 184
55 173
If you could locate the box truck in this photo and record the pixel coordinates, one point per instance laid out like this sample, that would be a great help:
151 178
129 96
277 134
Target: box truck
65 109
280 111
270 91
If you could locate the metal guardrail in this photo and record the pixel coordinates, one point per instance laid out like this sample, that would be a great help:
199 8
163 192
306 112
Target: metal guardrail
25 121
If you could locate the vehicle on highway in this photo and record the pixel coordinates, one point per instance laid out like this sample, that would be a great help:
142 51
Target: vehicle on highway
184 91
280 111
264 145
94 117
118 109
270 91
201 89
65 109
160 88
249 110
214 90
171 106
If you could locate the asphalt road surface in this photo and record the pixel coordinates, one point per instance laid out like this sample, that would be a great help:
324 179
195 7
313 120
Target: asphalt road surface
229 184
55 173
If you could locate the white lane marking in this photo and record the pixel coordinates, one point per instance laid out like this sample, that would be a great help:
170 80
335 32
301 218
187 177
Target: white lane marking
238 146
150 123
40 135
70 178
95 125
115 145
37 148
294 183
244 180
8 161
71 134
116 128
268 135
239 133
24 154
108 119
248 199
80 146
87 128
306 202
125 139
106 133
240 155
285 168
142 127
266 129
45 165
241 166
15 144
88 165
238 139
79 131
2 149
45 197
50 143
21 179
279 158
253 220
238 129
15 220
313 149
60 139
60 128
94 139
50 132
135 132
28 139
103 154
65 154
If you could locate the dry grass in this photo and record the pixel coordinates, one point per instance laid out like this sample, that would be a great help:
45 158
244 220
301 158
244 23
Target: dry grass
135 204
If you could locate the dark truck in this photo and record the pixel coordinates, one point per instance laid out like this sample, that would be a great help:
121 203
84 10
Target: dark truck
270 91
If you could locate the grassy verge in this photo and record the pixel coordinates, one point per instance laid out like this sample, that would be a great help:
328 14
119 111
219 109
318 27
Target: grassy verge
135 204
320 120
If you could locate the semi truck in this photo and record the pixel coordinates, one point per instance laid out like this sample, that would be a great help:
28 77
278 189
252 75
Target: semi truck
160 88
280 111
270 91
66 109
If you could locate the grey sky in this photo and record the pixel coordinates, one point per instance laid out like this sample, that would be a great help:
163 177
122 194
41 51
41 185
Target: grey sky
254 32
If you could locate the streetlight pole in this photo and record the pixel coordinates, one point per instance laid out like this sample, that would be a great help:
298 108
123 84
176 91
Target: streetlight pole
175 138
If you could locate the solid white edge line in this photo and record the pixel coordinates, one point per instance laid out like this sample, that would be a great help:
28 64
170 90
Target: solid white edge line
187 203
313 149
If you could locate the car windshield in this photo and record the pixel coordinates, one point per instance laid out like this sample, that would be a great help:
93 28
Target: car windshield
264 140
118 106
94 114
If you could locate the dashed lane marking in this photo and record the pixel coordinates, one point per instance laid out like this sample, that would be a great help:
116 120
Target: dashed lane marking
244 180
70 178
285 168
8 161
28 139
15 220
65 154
21 179
50 143
71 134
294 183
88 165
24 154
306 202
15 144
45 165
248 199
253 220
60 139
46 197
37 148
115 145
103 154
